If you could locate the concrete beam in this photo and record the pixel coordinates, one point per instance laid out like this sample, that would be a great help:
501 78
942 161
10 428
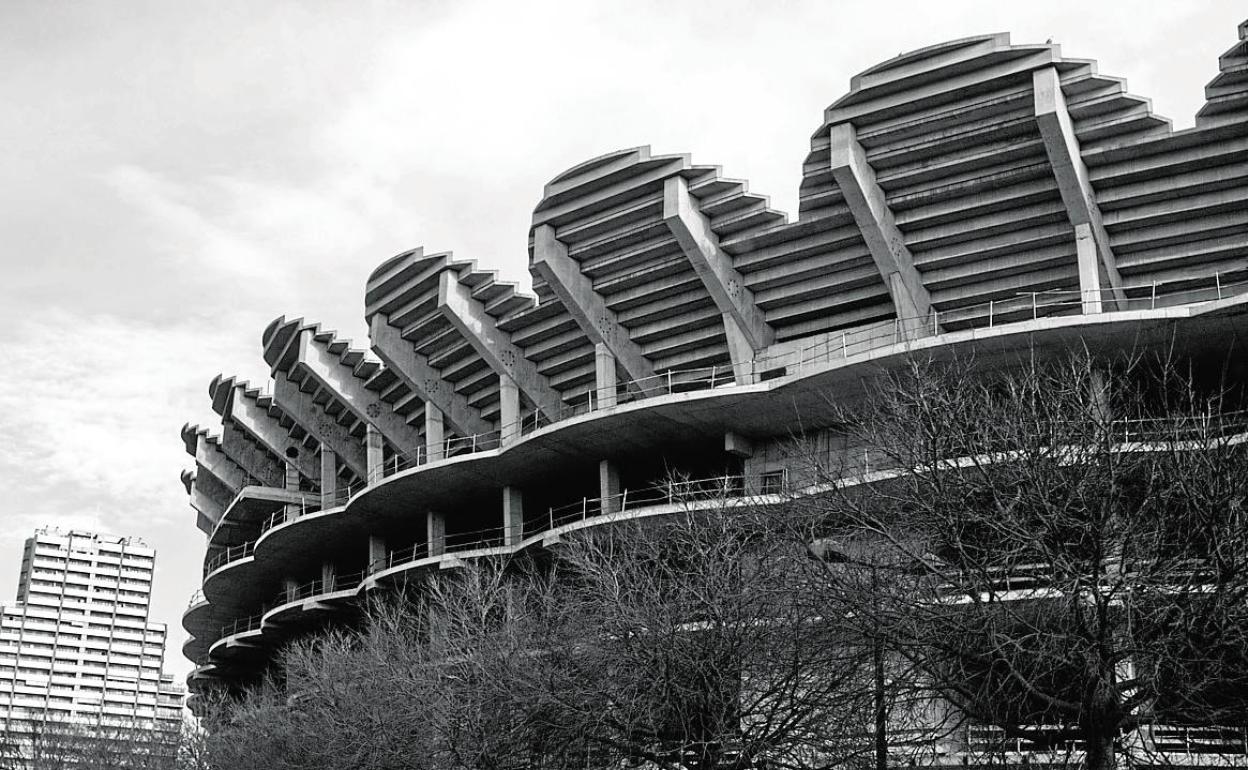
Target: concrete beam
478 328
878 226
249 416
322 426
251 458
206 504
210 457
744 323
424 380
586 306
329 371
1098 269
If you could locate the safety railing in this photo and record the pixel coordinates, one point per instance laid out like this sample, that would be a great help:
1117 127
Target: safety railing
318 587
243 625
1026 306
231 554
196 598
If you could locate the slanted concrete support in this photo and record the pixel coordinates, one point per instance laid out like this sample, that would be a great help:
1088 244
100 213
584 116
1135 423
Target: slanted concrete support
329 477
208 506
255 461
375 455
435 532
329 371
513 515
327 430
376 553
1099 280
575 290
426 381
328 573
509 409
744 324
869 207
249 416
435 433
210 457
479 330
604 377
609 486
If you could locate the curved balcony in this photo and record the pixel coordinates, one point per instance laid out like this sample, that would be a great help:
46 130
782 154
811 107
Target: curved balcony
312 599
238 639
708 400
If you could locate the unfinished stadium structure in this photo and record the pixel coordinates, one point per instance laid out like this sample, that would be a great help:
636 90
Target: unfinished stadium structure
972 198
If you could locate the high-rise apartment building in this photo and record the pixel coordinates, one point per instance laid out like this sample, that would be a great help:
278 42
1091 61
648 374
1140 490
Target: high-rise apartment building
78 649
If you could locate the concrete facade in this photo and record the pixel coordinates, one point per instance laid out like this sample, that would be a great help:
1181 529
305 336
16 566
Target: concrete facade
971 197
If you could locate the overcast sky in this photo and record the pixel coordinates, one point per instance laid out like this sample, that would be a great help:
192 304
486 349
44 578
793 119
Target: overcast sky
174 175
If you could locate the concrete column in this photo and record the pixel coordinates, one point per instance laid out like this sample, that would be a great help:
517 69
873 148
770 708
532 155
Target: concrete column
740 353
435 531
376 553
513 515
1089 261
509 408
291 484
375 454
435 433
609 486
327 575
329 477
604 377
289 586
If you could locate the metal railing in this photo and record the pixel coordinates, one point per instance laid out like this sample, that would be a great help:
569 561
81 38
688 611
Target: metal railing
1027 306
231 554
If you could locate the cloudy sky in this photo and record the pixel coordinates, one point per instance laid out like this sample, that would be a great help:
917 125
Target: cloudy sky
174 175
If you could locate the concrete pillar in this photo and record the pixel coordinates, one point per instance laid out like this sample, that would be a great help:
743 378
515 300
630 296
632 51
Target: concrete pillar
375 454
435 433
327 575
289 586
291 484
513 515
376 553
435 531
329 477
1089 261
740 353
509 408
609 486
604 377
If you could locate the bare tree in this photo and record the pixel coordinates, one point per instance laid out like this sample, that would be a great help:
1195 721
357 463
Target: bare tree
1057 550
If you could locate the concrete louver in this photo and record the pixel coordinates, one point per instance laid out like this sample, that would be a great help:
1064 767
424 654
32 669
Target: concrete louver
251 411
434 322
1226 96
338 377
459 304
257 460
984 172
646 271
211 458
